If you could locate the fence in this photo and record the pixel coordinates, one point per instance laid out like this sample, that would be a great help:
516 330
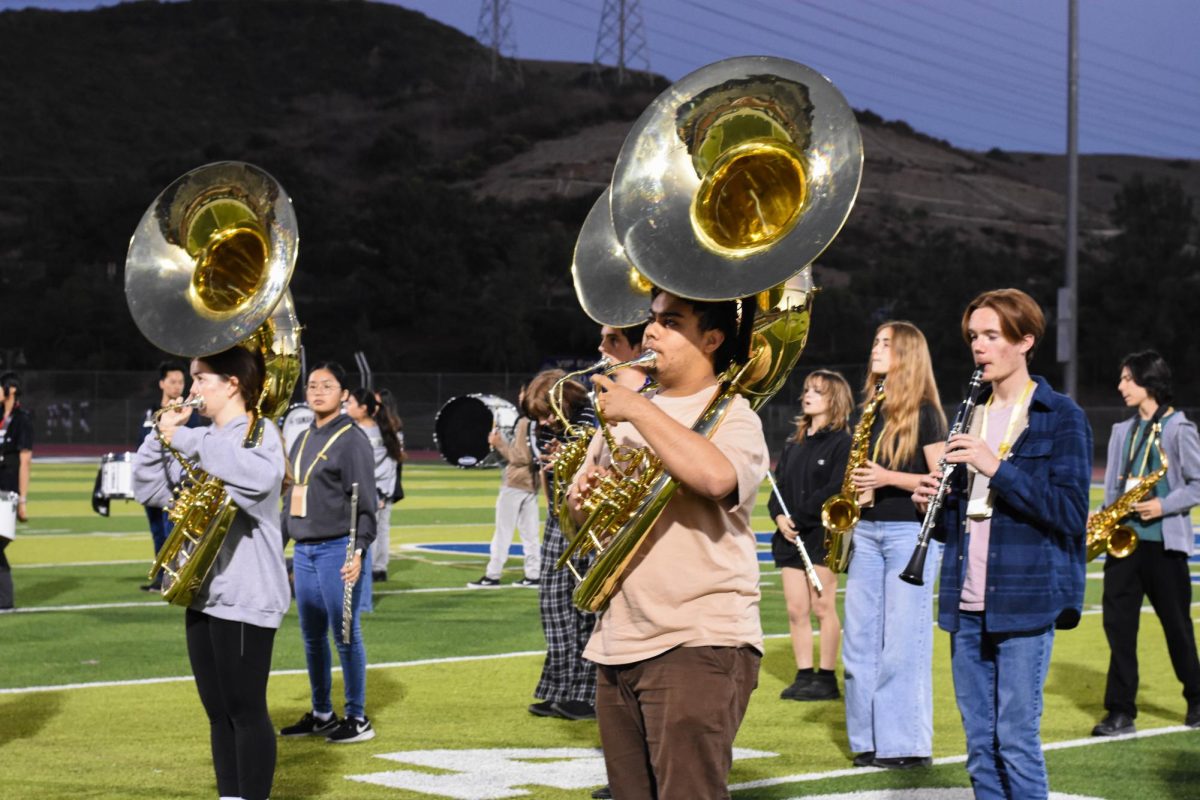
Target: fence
86 411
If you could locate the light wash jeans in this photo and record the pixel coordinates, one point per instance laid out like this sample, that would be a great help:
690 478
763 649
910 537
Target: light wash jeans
515 509
998 680
887 643
319 587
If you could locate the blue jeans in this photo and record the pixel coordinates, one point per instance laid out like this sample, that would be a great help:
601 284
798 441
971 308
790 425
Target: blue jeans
160 529
887 643
998 680
319 586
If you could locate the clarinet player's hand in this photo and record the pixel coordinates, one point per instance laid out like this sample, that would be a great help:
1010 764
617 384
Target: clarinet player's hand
964 448
926 489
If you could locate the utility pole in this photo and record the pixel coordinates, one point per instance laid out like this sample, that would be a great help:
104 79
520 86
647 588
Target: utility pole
621 38
1068 297
495 31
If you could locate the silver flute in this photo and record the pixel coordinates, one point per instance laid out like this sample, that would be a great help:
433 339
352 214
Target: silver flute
914 573
348 591
808 565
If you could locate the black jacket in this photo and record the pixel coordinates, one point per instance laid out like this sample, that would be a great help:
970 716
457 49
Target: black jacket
808 474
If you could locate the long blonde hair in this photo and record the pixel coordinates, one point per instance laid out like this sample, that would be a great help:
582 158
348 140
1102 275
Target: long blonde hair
910 384
841 402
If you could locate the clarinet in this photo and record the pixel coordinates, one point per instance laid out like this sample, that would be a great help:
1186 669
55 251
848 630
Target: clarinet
914 573
348 591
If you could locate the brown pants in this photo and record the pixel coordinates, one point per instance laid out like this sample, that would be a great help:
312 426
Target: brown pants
667 723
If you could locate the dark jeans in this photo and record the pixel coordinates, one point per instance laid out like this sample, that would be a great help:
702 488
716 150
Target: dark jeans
231 661
160 529
667 723
6 583
1162 575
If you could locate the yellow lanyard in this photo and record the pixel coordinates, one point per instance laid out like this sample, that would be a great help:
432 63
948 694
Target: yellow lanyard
1007 442
320 455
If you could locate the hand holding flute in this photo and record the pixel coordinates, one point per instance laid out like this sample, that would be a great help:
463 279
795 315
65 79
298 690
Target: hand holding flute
795 539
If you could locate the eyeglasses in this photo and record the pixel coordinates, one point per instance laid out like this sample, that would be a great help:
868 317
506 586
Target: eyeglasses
328 386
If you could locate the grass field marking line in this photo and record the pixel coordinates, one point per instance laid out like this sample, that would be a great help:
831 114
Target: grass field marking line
89 607
83 564
959 759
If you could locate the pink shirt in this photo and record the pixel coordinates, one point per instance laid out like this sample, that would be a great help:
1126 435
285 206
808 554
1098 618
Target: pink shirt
974 591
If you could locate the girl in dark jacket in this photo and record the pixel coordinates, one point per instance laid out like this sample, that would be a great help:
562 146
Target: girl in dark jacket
809 471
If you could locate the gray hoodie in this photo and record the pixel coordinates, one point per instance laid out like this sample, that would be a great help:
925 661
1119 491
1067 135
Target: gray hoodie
1182 447
349 460
248 581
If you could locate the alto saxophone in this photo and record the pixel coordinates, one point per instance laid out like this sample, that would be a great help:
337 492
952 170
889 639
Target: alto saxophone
840 513
1104 533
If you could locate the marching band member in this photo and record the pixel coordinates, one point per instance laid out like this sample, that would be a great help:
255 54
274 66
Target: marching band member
232 620
1013 526
16 456
810 470
1158 567
327 460
887 644
679 645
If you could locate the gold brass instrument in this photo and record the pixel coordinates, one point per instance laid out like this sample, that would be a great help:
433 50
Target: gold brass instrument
840 513
732 182
207 269
1104 531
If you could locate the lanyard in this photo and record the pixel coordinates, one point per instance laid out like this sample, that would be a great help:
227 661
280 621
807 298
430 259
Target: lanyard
1143 445
320 455
1006 442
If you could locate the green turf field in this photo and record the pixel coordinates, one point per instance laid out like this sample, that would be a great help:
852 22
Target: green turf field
96 699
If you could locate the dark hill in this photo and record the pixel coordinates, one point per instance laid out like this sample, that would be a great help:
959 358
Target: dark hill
437 210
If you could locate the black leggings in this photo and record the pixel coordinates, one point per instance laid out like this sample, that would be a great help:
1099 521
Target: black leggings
231 661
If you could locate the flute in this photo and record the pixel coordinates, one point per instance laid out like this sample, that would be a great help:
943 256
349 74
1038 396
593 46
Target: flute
808 566
348 591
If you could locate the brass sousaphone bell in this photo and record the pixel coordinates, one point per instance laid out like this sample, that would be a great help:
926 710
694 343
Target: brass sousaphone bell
208 268
728 187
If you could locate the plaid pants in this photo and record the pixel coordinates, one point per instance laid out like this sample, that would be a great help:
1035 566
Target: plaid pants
566 675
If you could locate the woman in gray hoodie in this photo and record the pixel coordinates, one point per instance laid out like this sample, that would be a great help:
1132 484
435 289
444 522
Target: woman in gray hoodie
231 623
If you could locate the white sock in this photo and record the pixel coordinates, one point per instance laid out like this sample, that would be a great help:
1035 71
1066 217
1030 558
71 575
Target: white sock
324 717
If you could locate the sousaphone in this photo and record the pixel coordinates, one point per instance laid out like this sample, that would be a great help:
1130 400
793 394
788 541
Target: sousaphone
732 182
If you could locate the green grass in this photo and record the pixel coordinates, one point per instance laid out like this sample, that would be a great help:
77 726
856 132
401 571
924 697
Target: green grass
107 738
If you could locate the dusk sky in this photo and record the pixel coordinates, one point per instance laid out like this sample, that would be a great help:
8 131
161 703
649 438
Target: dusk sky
979 73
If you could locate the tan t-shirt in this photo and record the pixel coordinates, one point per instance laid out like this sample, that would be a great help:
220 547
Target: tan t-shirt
694 580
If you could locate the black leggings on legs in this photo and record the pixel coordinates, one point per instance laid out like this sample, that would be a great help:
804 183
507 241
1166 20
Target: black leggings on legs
231 661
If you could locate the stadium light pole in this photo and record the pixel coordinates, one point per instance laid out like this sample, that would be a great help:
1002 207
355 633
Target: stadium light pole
1068 297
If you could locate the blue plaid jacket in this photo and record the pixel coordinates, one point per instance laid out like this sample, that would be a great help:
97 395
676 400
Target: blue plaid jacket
1036 558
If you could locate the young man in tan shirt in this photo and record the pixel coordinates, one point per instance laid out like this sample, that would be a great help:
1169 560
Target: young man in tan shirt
679 645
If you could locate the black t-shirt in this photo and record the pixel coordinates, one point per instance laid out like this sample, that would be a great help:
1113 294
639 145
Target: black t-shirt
16 436
891 503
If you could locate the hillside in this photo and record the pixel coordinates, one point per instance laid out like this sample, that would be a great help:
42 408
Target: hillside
437 211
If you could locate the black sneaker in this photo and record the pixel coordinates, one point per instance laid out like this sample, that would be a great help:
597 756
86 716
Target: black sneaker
1192 720
1115 723
603 793
379 575
151 587
574 709
866 759
543 709
803 678
822 686
903 762
526 582
350 730
310 726
483 583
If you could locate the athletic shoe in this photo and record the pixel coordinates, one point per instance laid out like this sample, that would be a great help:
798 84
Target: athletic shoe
822 686
1192 720
1115 723
379 575
803 678
903 762
151 587
310 726
483 583
574 709
543 709
527 582
603 793
866 759
350 730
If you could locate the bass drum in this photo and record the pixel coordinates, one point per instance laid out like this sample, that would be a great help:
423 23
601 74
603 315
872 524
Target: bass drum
461 429
297 418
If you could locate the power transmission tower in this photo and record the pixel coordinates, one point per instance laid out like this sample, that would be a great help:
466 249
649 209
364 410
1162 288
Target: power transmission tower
621 38
495 31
